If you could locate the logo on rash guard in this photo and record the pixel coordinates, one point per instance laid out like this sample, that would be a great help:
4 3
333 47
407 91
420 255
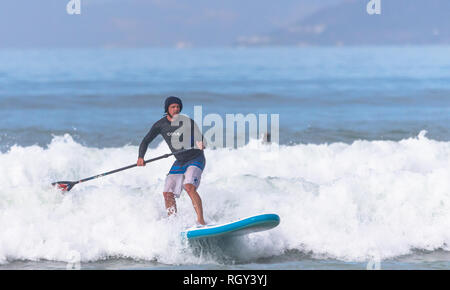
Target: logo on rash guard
174 133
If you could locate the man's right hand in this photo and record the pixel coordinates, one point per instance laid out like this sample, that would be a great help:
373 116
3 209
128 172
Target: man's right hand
140 162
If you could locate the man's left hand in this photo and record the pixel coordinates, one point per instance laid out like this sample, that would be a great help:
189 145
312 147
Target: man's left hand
200 145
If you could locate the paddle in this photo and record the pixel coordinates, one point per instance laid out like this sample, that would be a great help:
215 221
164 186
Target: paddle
68 185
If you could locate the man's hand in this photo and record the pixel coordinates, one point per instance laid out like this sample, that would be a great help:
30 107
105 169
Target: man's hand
140 162
200 145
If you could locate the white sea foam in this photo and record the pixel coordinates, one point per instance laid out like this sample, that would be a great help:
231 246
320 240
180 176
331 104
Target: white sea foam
351 202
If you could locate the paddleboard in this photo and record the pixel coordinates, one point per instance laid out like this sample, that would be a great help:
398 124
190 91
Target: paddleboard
252 224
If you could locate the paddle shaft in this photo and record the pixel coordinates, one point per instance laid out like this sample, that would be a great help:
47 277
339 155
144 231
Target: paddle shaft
128 167
117 170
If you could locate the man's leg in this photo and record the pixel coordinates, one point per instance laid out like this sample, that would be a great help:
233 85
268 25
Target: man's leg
196 202
171 205
172 189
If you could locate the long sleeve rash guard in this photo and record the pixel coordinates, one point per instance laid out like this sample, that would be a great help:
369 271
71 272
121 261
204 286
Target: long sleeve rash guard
173 134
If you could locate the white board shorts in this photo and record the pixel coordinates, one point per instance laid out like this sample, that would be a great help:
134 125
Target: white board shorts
175 182
181 174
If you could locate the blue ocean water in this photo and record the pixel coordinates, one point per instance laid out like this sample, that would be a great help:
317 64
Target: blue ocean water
110 97
362 170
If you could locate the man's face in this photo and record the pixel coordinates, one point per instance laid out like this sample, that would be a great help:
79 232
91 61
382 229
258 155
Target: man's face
174 109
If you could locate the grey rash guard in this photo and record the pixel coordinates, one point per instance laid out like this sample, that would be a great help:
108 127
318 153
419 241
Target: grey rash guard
166 129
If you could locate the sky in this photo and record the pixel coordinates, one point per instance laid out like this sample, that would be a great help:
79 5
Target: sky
209 23
116 23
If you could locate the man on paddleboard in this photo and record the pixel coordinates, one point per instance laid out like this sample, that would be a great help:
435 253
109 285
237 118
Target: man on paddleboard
187 169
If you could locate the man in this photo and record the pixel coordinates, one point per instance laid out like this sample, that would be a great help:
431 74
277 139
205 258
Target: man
186 171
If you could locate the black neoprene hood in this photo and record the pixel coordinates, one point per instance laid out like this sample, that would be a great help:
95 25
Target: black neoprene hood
172 100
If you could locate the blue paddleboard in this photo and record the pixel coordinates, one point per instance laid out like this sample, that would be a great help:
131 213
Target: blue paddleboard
239 227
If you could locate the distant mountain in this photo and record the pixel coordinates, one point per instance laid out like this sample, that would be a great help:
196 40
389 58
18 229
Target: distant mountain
185 23
138 23
401 22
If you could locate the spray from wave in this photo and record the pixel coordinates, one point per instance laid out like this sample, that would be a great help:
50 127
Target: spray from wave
344 201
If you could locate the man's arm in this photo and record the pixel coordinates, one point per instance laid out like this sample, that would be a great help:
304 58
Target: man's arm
154 131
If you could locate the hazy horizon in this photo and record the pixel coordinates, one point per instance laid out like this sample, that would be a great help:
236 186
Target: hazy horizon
201 23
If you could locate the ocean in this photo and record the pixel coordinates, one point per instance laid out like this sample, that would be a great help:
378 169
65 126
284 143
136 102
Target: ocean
359 175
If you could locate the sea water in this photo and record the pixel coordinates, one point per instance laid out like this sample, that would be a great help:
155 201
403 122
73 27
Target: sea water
360 179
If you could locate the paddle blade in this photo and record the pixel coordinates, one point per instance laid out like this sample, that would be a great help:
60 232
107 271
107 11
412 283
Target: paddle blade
64 185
